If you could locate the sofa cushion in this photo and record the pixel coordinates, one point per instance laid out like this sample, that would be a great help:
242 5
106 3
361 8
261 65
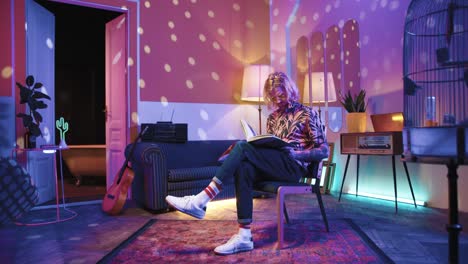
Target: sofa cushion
191 174
182 185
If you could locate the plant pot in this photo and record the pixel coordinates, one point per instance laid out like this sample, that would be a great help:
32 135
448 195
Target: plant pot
356 122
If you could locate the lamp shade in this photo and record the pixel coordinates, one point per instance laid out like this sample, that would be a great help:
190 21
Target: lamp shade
252 82
318 88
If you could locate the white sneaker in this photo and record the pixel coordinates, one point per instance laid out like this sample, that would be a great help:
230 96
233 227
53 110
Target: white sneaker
235 244
186 205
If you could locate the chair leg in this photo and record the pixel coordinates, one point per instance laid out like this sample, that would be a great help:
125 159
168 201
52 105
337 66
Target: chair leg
280 215
322 209
286 216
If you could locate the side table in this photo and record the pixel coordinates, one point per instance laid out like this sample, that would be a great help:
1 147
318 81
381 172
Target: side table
60 215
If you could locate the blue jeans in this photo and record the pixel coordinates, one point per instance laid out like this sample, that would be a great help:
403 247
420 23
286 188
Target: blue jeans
249 164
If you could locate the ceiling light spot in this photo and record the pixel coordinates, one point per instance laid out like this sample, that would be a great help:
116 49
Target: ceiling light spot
167 67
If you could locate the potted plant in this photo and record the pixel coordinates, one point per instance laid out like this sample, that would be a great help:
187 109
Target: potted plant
30 95
356 106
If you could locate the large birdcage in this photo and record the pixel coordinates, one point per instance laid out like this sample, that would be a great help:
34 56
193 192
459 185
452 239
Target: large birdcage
435 63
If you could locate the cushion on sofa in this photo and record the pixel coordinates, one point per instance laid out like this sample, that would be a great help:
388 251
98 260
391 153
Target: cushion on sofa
190 174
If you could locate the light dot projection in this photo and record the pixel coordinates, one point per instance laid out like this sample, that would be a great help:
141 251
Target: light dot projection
7 72
49 43
175 2
204 115
249 24
303 20
164 101
202 37
147 49
275 12
211 14
140 31
187 14
147 4
215 76
167 68
117 58
237 43
134 117
130 61
202 134
189 84
316 16
274 27
173 37
216 45
236 7
142 83
191 61
171 24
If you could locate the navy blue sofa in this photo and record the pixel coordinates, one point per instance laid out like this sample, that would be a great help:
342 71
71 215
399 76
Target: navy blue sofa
177 169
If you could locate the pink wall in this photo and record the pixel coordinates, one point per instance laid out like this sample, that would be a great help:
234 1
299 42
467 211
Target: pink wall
194 51
5 49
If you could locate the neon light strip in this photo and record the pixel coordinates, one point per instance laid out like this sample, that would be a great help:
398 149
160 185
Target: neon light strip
389 198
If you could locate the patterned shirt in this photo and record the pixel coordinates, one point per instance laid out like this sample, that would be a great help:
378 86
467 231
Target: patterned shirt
299 125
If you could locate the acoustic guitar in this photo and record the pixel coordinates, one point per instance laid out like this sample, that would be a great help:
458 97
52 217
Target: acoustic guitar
116 195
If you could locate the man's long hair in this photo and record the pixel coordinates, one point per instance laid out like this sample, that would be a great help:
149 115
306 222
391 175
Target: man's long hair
279 81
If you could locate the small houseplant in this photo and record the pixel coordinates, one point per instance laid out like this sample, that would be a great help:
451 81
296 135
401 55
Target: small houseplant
30 94
356 107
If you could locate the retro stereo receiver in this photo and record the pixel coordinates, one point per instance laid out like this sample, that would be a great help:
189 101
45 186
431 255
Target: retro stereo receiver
372 143
164 132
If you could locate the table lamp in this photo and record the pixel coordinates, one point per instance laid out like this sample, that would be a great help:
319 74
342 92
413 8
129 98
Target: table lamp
252 86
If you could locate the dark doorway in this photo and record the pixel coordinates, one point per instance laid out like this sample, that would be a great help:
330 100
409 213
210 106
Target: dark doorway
80 87
80 70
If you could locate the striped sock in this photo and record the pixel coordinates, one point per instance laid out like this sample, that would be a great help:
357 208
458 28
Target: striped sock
244 231
208 193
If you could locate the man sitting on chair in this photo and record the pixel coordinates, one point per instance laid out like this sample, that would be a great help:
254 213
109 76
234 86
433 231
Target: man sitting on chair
291 121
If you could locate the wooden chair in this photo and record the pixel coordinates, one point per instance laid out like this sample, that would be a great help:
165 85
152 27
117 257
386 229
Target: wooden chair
281 189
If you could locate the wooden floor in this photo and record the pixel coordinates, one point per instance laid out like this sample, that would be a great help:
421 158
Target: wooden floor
414 235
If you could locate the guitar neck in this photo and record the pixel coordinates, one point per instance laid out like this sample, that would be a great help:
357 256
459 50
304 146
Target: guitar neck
130 154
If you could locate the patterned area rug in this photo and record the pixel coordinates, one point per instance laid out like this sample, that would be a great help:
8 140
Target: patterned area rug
192 241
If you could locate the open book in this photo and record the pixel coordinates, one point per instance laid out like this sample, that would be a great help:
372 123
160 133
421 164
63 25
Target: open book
266 140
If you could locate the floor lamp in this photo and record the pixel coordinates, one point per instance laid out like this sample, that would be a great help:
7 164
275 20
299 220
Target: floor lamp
252 86
318 88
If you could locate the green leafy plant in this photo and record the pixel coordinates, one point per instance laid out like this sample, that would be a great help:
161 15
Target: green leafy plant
356 103
30 95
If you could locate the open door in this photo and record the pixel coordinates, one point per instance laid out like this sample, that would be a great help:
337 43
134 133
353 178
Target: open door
40 41
116 96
